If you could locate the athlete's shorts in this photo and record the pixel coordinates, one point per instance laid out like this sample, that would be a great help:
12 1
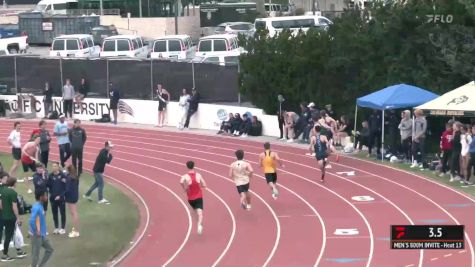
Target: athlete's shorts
27 166
16 152
321 156
196 203
243 188
271 177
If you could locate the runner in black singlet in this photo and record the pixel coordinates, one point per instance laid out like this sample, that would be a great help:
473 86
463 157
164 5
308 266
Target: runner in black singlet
321 145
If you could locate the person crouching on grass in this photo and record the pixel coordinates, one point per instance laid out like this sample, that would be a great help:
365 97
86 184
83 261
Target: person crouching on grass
104 157
38 231
57 189
72 195
193 183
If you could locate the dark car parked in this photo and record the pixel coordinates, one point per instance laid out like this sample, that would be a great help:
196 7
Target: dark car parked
101 32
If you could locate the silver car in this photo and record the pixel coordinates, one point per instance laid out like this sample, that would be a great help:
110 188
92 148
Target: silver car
244 28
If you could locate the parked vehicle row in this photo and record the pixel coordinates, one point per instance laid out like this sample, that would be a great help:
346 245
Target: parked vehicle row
12 41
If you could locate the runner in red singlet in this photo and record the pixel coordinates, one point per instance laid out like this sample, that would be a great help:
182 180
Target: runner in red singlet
29 157
193 183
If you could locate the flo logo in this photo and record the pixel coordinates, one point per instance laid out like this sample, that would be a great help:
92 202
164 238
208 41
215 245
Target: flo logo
458 100
444 19
222 114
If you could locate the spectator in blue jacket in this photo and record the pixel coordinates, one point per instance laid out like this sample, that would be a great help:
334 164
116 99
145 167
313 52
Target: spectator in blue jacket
41 182
72 196
57 190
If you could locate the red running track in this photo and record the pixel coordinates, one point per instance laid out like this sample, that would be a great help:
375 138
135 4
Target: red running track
298 229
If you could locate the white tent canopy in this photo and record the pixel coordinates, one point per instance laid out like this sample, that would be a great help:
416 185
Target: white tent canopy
458 102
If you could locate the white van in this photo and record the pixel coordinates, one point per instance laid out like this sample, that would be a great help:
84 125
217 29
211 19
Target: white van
273 10
124 46
74 45
55 6
228 59
293 23
217 44
173 46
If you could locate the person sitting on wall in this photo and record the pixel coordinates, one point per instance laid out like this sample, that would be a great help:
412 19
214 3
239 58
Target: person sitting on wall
256 127
246 126
226 126
236 124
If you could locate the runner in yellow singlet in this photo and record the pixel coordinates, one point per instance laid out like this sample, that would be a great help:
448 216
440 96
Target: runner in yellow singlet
268 161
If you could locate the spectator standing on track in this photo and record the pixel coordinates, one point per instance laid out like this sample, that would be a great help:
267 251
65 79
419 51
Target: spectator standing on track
48 99
41 182
465 140
68 96
456 151
44 143
38 231
241 172
62 133
10 217
163 97
446 147
268 160
77 136
72 197
29 157
375 128
57 189
104 157
471 165
405 130
83 91
14 139
194 102
114 97
193 183
183 103
418 144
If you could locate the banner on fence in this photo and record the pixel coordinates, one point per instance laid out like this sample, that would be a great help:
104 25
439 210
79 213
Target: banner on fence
209 116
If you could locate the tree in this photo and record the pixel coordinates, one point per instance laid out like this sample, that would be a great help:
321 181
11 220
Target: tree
363 51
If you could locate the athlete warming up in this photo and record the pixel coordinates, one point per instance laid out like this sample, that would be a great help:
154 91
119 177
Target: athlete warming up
193 183
268 161
321 144
241 172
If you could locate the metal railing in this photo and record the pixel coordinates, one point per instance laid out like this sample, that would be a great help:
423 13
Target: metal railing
88 12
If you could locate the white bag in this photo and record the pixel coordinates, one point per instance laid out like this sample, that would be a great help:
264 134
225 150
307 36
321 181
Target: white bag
18 238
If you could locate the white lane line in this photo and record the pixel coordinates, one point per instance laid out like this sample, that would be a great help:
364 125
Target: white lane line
159 184
433 259
308 204
447 255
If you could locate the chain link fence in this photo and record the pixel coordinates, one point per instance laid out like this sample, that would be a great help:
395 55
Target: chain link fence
136 79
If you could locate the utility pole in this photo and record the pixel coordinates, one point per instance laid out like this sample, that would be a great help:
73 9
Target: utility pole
176 16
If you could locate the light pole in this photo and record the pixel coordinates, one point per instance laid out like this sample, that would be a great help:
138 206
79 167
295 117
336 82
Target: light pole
281 99
176 16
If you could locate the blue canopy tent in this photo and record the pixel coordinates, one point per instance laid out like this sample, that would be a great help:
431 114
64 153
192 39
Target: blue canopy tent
394 97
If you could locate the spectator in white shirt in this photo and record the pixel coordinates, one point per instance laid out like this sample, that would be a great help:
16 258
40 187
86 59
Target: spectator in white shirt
184 105
15 143
68 96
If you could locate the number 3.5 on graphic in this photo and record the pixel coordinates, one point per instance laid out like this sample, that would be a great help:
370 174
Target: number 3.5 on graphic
435 232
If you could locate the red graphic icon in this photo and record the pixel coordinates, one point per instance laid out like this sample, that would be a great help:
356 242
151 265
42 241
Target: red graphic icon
401 231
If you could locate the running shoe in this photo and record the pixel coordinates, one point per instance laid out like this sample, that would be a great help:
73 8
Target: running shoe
30 191
73 234
21 254
6 258
328 166
248 206
29 178
200 229
104 201
87 197
243 205
56 231
62 232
